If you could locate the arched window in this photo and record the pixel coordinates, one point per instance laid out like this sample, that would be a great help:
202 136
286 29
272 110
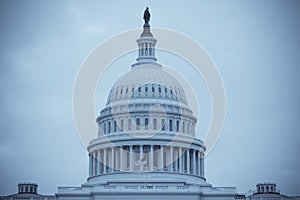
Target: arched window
129 124
122 124
137 124
183 127
104 128
109 125
132 90
121 91
153 89
188 128
154 124
159 89
126 90
163 124
146 89
177 126
170 125
115 126
146 123
166 90
116 91
139 89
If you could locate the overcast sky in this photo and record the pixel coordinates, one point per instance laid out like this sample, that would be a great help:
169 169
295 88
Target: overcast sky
255 45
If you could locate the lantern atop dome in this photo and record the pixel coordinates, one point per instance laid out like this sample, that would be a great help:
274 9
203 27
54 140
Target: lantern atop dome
146 43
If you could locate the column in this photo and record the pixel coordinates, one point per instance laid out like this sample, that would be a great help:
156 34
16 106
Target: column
202 164
151 157
194 162
98 162
141 157
121 158
161 158
101 161
94 163
90 164
125 158
108 159
139 49
199 164
104 161
167 158
180 160
117 159
130 158
112 159
188 161
175 158
171 159
184 161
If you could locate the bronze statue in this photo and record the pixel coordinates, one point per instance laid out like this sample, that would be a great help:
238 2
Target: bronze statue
147 15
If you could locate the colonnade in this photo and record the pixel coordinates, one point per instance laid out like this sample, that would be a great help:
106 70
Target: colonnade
146 49
131 158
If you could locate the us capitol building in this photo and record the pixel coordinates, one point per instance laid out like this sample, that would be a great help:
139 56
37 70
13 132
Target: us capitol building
146 146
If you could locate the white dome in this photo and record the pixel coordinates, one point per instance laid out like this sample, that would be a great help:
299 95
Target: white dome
147 81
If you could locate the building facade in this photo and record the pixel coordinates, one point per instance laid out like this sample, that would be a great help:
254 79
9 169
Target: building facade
146 146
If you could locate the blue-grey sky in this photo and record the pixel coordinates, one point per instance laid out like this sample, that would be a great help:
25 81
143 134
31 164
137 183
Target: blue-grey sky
255 45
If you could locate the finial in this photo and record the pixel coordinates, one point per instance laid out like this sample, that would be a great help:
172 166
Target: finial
147 16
